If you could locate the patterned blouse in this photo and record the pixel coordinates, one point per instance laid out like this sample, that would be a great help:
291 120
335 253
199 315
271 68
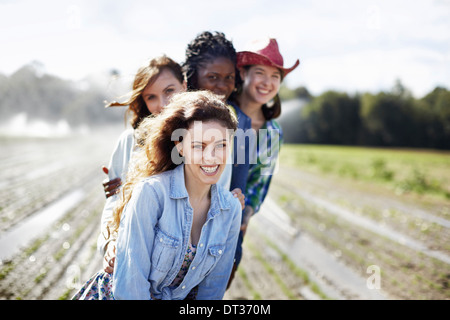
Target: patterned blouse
99 287
188 257
269 141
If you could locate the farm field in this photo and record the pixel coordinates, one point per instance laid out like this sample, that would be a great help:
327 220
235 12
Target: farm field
331 213
52 199
374 207
61 176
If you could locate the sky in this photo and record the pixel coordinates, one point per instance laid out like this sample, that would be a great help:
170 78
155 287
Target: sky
346 45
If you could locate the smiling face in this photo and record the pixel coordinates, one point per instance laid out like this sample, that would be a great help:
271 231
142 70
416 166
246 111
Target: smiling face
205 147
261 83
217 76
157 94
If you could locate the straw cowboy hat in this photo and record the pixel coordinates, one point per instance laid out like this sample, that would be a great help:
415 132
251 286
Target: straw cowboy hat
264 52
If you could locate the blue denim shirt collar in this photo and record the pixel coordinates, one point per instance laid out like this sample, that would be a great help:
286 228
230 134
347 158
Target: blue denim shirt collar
178 191
177 184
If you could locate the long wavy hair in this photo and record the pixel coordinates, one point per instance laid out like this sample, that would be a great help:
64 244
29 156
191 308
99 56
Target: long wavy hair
146 75
155 153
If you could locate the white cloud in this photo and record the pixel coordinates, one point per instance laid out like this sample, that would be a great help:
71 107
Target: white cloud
419 70
353 45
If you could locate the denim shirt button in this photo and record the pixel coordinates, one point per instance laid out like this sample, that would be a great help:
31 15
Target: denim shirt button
183 287
220 251
201 245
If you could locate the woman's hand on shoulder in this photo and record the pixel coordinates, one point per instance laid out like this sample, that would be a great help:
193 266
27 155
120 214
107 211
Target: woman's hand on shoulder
111 187
109 257
247 214
237 193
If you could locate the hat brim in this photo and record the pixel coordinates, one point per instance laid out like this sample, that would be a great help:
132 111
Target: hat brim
247 58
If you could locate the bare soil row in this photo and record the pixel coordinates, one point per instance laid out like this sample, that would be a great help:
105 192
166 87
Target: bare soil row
55 264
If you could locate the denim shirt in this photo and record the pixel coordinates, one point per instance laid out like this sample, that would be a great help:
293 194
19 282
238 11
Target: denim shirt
245 146
153 237
118 167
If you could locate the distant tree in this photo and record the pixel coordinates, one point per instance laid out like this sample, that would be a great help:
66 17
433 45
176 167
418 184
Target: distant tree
303 93
389 119
332 117
400 90
4 84
286 93
435 111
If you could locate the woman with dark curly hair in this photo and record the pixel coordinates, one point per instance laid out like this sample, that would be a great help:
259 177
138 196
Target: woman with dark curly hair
211 65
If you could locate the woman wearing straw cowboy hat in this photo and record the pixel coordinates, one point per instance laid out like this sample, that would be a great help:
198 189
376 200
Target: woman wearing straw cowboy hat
262 71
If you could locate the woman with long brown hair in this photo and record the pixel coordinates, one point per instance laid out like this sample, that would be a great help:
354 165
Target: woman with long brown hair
177 228
153 86
210 65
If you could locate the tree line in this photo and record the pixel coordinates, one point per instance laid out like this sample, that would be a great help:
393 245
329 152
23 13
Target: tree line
393 118
385 119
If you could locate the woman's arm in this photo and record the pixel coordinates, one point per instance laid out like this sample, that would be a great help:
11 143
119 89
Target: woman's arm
260 174
118 166
135 245
111 186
